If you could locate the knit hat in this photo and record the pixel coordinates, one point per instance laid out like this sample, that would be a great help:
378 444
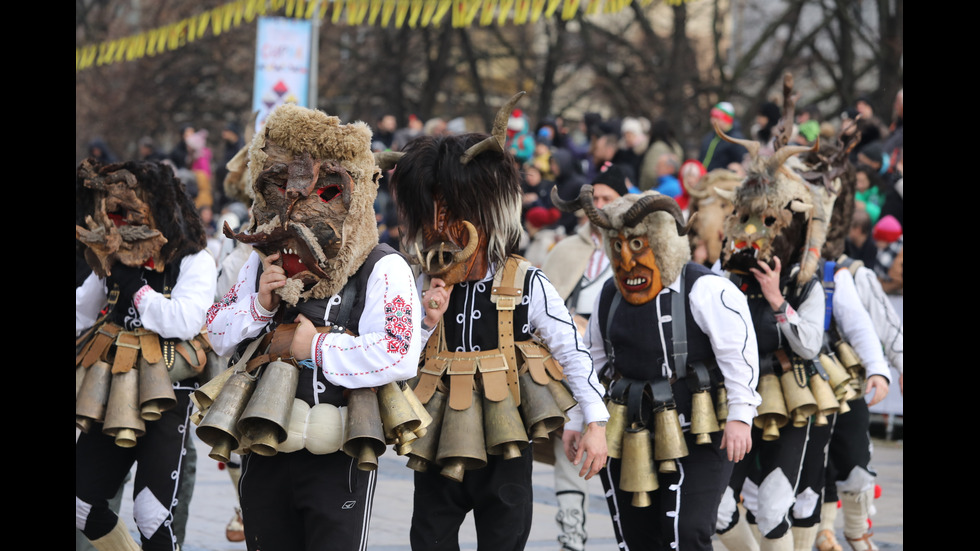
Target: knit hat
516 121
541 217
724 111
810 130
612 176
888 229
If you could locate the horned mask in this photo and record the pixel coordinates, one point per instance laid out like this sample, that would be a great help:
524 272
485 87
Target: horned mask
644 236
313 182
459 201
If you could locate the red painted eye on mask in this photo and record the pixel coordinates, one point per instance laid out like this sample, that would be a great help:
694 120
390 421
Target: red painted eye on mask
328 193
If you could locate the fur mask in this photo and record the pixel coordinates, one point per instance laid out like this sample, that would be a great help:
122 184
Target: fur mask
313 182
459 199
136 213
644 237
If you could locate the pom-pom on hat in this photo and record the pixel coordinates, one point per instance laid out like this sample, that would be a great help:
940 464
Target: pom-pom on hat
541 217
888 229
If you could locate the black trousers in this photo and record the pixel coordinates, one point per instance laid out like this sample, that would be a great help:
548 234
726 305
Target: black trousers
850 447
101 467
813 478
499 495
301 501
684 509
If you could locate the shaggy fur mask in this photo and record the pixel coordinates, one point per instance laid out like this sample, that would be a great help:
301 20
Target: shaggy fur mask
313 182
136 213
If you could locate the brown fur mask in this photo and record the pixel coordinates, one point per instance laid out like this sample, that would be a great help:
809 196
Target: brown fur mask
136 213
313 182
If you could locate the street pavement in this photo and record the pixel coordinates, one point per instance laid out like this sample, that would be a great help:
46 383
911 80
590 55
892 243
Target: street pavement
214 500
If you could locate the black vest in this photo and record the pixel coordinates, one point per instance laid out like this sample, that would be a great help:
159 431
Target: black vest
121 309
471 318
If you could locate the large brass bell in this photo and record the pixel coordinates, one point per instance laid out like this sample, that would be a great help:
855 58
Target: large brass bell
799 400
772 414
461 443
540 410
425 448
503 427
219 427
703 419
419 410
90 401
122 416
365 437
637 474
827 403
669 443
839 377
204 395
398 417
264 423
615 428
156 390
563 397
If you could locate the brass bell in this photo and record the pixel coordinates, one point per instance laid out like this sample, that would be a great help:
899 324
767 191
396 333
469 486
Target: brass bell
264 422
563 397
461 442
772 414
615 428
669 443
424 449
703 419
799 399
398 417
721 405
204 395
364 439
503 427
90 401
827 403
637 474
79 378
848 357
156 390
122 416
540 410
839 377
219 427
419 410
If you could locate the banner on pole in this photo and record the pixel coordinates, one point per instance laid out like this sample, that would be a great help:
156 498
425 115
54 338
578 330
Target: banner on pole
282 64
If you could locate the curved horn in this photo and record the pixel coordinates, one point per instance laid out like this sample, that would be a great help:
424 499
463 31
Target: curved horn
471 245
727 194
654 203
799 206
597 217
751 145
387 159
785 153
498 136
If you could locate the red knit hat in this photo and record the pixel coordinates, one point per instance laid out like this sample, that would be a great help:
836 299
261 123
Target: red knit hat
541 217
888 229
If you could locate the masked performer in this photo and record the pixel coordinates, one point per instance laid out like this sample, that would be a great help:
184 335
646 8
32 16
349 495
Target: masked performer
500 336
862 324
142 311
773 239
320 304
668 336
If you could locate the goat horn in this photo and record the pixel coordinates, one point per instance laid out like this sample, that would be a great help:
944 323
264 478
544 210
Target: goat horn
585 202
387 159
655 203
784 153
751 145
466 253
799 206
495 141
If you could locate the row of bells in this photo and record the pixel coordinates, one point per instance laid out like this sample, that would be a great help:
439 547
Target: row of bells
633 444
460 440
785 401
243 412
122 402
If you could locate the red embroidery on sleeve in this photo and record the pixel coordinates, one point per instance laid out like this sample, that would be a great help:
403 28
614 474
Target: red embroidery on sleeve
398 325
